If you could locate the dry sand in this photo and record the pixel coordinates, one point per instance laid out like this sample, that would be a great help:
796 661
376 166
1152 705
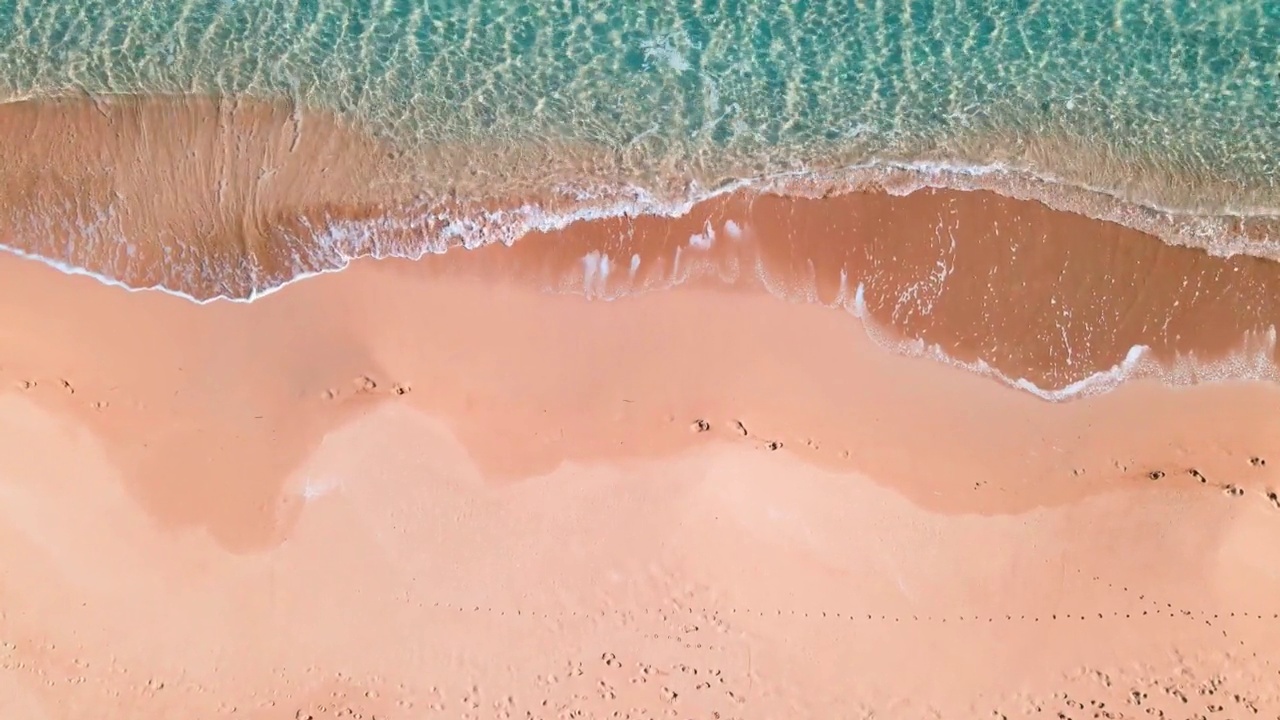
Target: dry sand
404 492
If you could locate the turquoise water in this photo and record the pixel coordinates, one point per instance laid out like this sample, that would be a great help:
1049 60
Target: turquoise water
1172 104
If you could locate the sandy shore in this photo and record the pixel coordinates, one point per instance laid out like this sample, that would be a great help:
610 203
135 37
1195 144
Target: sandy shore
415 490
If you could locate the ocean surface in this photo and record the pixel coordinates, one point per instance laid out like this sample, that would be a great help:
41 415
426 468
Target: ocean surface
1170 104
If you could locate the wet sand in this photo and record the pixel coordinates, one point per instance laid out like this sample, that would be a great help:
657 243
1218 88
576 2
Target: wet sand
212 195
1037 294
233 198
528 482
401 491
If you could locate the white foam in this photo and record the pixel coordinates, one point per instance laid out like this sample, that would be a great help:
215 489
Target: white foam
860 301
595 273
338 242
1253 361
705 239
1094 384
347 240
1091 385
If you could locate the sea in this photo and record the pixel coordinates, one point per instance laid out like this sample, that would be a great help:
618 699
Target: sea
1171 103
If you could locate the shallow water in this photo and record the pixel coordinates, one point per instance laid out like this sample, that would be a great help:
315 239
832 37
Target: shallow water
1168 104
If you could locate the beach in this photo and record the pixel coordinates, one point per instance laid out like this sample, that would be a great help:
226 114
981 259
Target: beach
657 359
417 489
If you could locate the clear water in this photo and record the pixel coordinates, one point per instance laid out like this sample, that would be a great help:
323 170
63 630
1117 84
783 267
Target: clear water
1168 103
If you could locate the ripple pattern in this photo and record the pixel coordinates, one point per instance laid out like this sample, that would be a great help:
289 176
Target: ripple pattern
1168 104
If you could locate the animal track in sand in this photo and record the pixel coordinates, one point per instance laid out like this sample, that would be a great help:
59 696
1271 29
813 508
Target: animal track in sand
1167 608
716 618
699 677
640 676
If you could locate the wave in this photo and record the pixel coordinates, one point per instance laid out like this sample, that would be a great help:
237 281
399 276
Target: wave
226 200
419 230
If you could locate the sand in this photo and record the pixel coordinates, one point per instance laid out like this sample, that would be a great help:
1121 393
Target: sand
632 468
414 490
183 191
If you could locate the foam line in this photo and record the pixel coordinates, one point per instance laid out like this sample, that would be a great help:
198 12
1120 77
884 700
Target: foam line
509 225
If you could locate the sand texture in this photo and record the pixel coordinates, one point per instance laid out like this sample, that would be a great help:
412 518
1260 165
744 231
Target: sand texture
860 456
401 492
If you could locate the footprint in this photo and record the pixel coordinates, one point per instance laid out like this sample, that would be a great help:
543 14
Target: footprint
742 429
1257 462
1274 498
1233 490
66 385
100 404
365 384
1198 475
1155 474
401 388
700 425
773 445
26 384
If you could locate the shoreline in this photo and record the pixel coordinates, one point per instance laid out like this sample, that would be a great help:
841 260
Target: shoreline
348 498
1054 304
1050 301
692 361
234 224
